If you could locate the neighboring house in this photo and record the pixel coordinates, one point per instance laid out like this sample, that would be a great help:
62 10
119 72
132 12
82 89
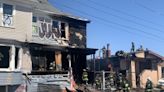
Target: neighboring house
37 39
145 64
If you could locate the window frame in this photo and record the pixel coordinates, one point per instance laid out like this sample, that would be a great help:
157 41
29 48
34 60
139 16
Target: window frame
13 14
66 30
8 69
34 25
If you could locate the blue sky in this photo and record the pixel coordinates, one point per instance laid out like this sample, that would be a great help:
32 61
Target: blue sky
119 22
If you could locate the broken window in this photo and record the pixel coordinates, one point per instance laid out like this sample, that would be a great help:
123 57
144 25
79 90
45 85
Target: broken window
154 65
4 56
8 15
162 72
42 60
64 30
38 61
55 29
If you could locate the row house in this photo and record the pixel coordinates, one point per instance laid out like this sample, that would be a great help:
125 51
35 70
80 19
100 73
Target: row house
37 40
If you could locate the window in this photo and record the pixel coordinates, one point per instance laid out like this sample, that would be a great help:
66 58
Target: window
162 72
42 60
3 88
55 24
34 19
4 56
63 31
34 26
7 15
55 29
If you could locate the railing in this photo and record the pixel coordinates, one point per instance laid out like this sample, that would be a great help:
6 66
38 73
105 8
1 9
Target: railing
47 82
103 76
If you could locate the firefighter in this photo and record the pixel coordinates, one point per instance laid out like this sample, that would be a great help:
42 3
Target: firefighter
126 86
98 83
119 81
111 80
149 86
85 76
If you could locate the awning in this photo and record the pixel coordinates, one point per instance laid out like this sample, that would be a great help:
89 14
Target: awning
86 51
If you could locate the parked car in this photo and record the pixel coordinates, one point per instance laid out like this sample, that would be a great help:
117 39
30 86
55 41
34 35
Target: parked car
161 83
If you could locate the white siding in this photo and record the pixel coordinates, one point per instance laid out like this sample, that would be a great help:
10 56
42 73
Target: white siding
22 26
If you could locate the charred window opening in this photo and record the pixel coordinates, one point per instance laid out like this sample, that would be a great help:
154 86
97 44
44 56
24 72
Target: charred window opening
42 60
162 72
63 31
148 64
65 62
4 56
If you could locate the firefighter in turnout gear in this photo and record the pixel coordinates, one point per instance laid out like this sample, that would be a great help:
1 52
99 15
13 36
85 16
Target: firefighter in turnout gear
119 81
149 86
98 83
126 86
111 80
85 76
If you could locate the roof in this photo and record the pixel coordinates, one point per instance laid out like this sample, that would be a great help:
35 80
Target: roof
155 54
10 42
85 51
45 6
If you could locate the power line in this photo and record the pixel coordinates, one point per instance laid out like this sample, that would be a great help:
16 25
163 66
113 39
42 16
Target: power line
122 18
149 9
111 22
124 13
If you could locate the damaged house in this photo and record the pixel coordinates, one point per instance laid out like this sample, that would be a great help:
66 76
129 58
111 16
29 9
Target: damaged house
140 66
39 41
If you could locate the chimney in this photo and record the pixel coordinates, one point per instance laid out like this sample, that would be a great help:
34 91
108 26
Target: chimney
108 52
104 52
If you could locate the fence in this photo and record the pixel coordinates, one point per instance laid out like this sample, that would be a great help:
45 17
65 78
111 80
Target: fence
103 78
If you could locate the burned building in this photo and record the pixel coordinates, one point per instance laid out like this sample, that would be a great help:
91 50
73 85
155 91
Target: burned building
139 66
37 39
